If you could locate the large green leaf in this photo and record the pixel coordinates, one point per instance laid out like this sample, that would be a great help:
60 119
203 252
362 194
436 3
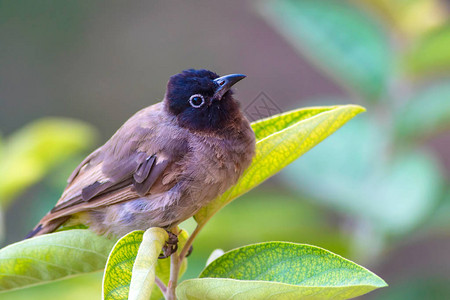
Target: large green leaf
30 152
426 113
280 140
118 273
51 257
390 192
138 250
282 270
144 268
430 54
340 38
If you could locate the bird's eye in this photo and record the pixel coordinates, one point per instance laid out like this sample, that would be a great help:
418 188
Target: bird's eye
196 100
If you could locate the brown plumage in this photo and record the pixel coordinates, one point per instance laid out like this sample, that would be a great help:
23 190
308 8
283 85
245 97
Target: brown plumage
163 164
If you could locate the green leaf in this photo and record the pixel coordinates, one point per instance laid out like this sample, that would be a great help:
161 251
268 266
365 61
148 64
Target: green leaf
51 257
119 268
431 54
392 192
337 36
214 255
144 268
30 152
280 140
280 270
427 113
141 250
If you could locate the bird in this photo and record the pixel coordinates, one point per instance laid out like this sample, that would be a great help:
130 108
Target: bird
163 164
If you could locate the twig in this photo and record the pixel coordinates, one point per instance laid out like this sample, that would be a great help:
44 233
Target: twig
175 264
189 242
161 285
174 271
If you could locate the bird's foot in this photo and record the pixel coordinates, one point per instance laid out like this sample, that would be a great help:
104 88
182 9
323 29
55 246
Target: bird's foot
171 246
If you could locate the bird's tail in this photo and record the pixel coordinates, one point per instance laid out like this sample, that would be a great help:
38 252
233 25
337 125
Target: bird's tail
42 228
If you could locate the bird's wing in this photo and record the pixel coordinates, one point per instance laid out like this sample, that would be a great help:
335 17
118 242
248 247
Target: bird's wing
131 164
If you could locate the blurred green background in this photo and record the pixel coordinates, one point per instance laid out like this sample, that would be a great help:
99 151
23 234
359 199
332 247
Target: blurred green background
375 192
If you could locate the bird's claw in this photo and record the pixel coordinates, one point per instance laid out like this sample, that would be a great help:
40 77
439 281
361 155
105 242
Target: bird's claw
170 247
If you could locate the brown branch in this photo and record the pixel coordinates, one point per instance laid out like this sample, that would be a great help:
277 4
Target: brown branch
161 285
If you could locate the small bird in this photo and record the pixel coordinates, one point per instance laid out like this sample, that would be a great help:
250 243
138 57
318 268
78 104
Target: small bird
164 164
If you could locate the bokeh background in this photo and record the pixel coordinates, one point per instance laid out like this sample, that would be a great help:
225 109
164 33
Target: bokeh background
376 192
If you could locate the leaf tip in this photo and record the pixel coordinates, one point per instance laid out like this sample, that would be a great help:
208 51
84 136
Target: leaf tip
357 108
382 283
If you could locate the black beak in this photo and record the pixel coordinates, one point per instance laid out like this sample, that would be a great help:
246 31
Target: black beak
225 83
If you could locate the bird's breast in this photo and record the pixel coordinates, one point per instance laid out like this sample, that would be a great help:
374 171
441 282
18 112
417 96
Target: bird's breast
215 164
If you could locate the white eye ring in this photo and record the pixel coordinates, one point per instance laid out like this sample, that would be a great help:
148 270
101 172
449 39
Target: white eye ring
196 105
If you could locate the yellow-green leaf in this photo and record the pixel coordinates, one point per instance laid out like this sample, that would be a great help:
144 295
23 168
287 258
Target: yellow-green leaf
30 152
119 270
280 140
214 255
51 257
143 273
280 270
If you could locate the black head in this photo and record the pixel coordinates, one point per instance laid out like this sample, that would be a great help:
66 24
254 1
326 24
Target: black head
201 100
